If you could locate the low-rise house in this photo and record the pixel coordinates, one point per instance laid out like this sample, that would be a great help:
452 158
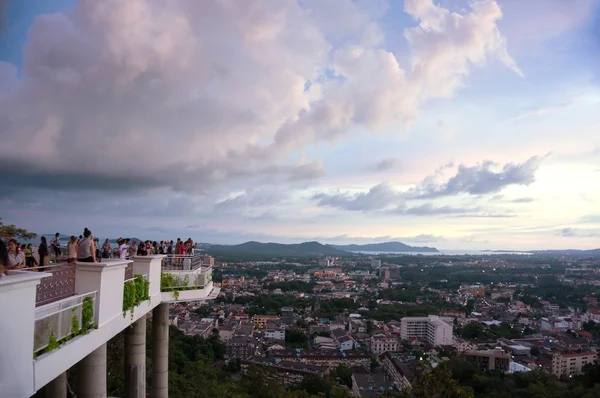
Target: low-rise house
327 358
243 347
381 343
495 359
285 372
401 369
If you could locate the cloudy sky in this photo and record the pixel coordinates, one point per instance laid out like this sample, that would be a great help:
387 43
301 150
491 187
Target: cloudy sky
450 123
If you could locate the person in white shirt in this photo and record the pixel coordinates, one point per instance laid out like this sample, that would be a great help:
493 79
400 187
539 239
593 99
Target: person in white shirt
16 258
124 249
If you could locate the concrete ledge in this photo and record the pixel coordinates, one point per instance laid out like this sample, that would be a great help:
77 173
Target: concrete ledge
188 295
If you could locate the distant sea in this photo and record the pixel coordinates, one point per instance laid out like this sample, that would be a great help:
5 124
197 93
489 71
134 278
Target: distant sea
449 253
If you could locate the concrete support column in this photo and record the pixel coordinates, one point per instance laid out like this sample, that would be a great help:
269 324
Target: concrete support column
160 351
135 359
57 388
91 375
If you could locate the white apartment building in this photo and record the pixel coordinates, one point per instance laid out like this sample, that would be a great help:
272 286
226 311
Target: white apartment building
381 343
565 365
275 334
431 328
375 263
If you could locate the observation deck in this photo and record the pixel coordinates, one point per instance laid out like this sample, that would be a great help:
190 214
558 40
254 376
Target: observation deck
62 315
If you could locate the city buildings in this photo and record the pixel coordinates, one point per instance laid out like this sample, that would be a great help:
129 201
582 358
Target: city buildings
284 372
400 369
381 343
569 364
495 359
432 329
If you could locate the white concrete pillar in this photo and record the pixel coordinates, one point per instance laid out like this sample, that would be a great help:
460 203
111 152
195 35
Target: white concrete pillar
160 351
91 375
135 359
57 388
103 278
17 325
151 266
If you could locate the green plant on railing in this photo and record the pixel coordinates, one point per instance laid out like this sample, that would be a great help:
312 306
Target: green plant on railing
74 324
186 281
135 291
169 283
52 342
87 316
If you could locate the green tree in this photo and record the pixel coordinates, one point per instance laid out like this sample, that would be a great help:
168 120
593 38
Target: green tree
12 231
296 338
438 384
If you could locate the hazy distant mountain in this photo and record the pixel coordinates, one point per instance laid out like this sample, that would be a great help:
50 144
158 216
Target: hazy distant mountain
276 249
386 247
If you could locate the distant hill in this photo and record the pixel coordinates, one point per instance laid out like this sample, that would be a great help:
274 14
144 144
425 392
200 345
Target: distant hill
277 249
386 247
594 253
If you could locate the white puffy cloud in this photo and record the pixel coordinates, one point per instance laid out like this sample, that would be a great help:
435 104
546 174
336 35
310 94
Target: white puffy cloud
187 95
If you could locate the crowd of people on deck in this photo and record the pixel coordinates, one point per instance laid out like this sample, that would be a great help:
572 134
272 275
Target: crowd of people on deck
84 248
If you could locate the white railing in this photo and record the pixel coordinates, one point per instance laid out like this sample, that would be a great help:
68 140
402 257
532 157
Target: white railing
182 261
198 278
56 321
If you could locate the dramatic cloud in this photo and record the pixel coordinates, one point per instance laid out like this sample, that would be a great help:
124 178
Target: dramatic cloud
252 198
577 233
192 95
482 179
474 180
429 209
386 164
377 198
523 200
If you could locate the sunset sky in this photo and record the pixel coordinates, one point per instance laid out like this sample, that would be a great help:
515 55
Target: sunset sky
450 123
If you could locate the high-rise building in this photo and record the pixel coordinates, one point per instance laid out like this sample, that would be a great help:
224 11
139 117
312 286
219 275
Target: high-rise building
385 274
375 263
432 329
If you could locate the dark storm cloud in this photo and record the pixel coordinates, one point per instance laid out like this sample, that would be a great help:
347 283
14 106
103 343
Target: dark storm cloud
482 179
15 177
